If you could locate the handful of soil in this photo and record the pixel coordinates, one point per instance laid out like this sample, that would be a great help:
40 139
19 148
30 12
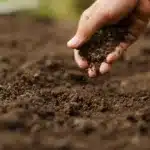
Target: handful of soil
104 42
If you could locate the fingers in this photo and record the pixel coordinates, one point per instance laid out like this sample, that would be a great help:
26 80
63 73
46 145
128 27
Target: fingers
104 68
135 29
81 62
119 51
92 72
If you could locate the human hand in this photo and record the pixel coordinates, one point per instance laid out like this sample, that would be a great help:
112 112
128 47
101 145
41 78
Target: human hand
104 12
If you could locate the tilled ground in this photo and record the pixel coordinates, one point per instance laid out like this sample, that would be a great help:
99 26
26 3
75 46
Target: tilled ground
46 102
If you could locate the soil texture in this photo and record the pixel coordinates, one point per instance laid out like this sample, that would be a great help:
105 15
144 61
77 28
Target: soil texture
47 103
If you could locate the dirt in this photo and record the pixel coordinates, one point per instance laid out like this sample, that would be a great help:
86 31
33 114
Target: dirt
46 102
104 41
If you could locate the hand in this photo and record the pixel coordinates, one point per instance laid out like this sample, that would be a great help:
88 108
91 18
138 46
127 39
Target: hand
103 12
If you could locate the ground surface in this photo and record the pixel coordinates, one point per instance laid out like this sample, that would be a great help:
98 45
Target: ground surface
46 102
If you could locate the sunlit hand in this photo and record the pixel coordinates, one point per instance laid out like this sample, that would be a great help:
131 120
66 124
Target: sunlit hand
104 12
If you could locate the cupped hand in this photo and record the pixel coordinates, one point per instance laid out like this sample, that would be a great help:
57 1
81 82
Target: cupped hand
103 12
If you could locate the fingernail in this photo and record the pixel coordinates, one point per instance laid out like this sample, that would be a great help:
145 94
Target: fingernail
92 72
104 68
74 42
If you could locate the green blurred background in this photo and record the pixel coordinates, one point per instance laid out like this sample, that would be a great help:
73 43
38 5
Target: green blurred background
63 9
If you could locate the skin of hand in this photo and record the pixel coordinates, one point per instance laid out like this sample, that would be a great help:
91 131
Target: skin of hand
103 12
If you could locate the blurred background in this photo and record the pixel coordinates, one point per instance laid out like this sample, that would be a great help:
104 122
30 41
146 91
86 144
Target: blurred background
69 9
66 9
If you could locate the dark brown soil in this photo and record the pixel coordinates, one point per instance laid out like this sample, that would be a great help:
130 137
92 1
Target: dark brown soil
104 41
47 103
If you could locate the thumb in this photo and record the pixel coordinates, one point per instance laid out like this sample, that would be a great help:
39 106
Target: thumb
91 20
97 16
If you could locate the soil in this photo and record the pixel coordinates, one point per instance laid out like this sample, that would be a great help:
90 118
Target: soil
104 41
46 102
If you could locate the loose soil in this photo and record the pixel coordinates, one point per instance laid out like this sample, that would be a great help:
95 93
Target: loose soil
46 102
104 41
